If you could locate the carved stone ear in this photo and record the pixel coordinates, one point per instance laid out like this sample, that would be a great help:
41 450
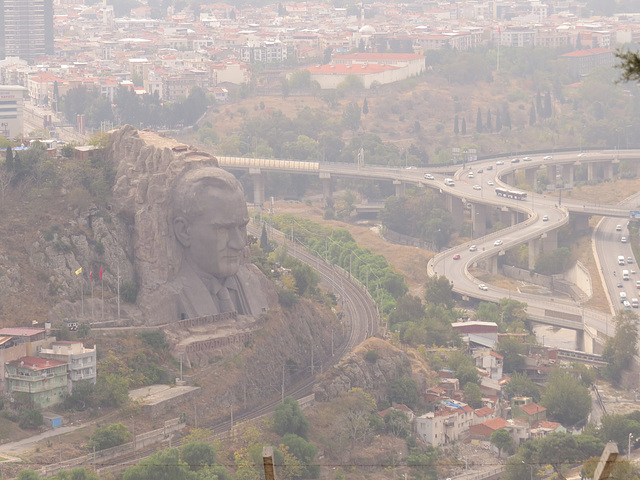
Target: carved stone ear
181 230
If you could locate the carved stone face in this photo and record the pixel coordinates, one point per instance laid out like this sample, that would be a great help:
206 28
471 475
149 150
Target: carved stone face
214 239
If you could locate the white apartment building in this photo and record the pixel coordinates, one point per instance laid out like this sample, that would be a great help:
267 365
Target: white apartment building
446 425
81 360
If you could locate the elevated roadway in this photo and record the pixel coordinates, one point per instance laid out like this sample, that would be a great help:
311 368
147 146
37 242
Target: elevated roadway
535 220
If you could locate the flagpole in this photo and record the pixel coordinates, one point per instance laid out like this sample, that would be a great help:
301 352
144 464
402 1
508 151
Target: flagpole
118 291
82 297
102 287
91 275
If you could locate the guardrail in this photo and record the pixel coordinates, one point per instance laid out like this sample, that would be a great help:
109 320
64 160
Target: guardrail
494 472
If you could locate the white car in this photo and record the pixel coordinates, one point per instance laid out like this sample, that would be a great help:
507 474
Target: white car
581 154
473 248
497 243
470 175
547 157
490 183
499 162
527 159
618 228
428 176
483 287
477 187
545 218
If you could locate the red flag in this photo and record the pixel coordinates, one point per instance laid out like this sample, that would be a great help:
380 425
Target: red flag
499 31
91 274
100 272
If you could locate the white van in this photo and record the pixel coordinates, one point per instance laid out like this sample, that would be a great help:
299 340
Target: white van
625 274
623 296
449 182
623 239
621 260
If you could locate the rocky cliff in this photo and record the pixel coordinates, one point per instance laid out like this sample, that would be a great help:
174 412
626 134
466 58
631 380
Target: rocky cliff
358 370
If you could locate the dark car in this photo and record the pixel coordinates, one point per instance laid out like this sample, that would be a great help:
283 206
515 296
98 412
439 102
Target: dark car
490 167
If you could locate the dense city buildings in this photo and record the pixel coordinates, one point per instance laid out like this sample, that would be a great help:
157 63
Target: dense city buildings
26 29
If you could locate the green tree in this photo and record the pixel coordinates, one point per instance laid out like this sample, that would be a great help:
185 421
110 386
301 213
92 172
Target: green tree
365 106
112 390
408 309
164 465
620 349
289 418
110 436
198 455
479 121
513 352
567 401
264 240
305 452
404 390
532 116
397 423
81 396
31 418
629 64
463 128
616 428
28 474
501 438
520 385
472 395
456 128
439 290
351 118
489 122
9 160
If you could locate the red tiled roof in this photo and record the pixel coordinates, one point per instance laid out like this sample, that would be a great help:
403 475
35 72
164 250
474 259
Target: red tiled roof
343 69
546 424
497 355
532 408
495 423
372 57
588 52
21 331
35 363
484 411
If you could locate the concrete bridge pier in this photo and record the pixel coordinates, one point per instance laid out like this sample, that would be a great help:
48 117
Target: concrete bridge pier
492 264
327 186
534 250
590 171
514 217
581 221
258 186
531 178
509 178
608 170
401 188
550 241
455 208
551 174
479 219
580 340
567 175
505 216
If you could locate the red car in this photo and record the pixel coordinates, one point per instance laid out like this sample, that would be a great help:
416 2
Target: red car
456 256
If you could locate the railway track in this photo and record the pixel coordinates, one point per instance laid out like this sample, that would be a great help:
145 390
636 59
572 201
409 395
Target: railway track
361 317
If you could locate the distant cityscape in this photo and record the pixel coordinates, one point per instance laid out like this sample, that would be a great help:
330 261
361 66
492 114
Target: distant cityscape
216 47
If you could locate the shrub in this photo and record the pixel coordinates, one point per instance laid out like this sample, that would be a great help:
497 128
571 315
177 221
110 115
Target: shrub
371 356
30 419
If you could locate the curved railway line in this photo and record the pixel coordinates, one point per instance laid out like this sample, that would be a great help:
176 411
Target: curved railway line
361 316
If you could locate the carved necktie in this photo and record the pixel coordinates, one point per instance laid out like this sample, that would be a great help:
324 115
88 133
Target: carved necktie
225 303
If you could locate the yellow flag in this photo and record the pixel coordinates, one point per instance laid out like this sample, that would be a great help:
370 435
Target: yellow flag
79 271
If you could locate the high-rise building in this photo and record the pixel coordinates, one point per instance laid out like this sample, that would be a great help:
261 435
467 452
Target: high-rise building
26 28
